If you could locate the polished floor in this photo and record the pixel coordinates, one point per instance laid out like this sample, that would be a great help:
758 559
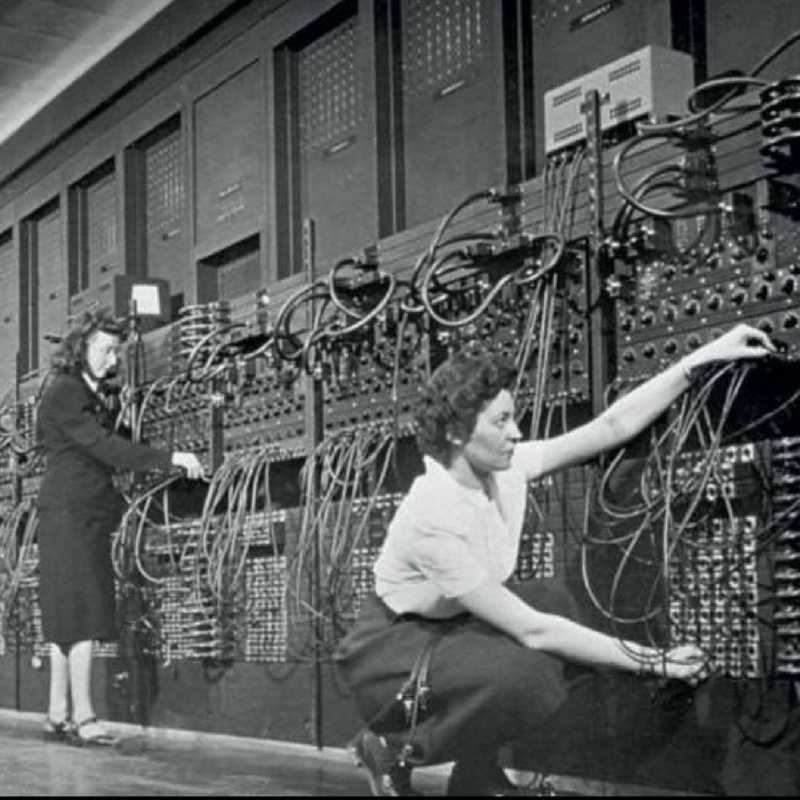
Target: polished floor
177 763
156 765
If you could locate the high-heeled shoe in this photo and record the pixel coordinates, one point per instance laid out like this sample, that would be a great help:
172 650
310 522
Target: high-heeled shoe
386 777
99 738
57 731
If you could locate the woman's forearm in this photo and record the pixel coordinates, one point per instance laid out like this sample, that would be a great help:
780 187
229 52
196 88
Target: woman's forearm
632 413
638 409
570 640
562 637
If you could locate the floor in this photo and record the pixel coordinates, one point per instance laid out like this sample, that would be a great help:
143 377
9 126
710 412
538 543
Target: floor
156 765
178 763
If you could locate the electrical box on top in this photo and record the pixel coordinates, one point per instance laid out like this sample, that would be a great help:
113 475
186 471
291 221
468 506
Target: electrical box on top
651 82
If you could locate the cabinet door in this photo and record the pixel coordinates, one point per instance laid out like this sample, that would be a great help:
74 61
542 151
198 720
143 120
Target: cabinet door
325 138
52 283
9 316
336 148
229 139
453 102
102 253
165 198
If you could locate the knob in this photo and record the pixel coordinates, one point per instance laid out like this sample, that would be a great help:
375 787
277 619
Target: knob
763 291
670 347
626 324
766 325
648 318
629 356
693 342
714 302
691 308
649 350
788 286
738 297
670 312
790 321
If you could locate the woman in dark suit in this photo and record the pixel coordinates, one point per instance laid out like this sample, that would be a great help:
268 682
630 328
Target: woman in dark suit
78 510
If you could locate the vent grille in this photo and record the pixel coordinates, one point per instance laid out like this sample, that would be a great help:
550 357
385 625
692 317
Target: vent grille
625 70
330 94
442 40
166 186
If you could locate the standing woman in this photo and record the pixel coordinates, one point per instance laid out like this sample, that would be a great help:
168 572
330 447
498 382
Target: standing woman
79 509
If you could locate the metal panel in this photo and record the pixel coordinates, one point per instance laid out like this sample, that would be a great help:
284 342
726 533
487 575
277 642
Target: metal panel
573 37
231 274
101 228
165 207
453 102
229 136
9 315
239 277
52 282
741 32
336 155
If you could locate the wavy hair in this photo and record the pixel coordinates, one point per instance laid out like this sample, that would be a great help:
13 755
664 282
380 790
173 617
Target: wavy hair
456 393
71 353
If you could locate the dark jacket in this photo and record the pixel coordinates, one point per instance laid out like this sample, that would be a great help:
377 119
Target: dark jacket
79 509
82 450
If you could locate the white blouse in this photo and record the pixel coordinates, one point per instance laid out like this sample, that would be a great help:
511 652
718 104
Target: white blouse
446 539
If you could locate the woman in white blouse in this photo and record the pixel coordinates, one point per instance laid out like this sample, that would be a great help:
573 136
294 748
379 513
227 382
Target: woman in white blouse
492 655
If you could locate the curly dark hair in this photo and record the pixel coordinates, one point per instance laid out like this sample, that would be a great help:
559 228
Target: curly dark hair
456 393
71 353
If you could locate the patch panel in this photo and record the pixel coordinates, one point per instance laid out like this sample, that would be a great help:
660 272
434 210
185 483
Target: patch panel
264 409
714 595
747 270
264 626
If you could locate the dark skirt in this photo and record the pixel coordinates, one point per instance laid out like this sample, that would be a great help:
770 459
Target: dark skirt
492 695
76 588
487 689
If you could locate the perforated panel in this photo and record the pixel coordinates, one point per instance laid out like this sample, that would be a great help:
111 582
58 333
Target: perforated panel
52 280
166 187
9 321
336 148
101 228
442 40
330 93
165 195
454 104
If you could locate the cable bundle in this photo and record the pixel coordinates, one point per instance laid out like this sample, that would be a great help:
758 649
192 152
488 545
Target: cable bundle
342 491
